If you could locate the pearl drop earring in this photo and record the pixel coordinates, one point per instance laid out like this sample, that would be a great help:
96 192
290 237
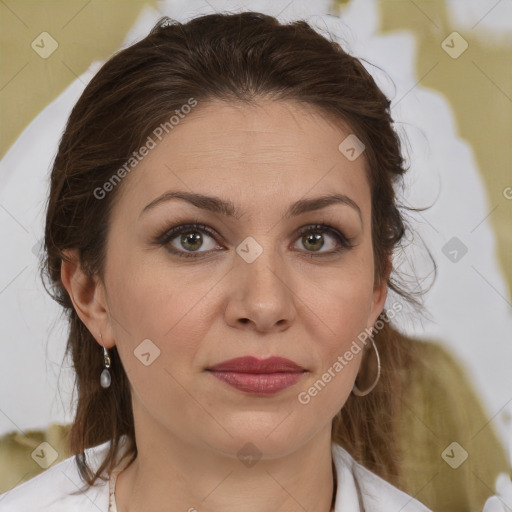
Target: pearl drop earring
105 378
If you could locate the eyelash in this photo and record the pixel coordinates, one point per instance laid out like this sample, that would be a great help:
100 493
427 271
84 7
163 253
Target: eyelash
169 234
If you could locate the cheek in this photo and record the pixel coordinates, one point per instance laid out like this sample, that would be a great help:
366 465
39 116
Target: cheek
338 309
344 314
343 308
157 331
341 299
162 305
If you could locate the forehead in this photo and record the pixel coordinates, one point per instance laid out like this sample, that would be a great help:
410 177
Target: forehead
248 129
270 147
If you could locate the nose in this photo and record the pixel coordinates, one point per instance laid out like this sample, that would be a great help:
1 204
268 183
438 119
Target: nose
260 294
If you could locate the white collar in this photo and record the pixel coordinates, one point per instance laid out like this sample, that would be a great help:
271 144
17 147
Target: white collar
360 490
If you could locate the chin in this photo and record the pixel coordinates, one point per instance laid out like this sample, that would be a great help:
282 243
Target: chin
267 437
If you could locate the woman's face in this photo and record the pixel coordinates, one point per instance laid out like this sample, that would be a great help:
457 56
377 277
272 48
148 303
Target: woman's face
250 284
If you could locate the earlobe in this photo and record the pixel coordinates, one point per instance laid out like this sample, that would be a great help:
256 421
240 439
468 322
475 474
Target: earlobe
86 294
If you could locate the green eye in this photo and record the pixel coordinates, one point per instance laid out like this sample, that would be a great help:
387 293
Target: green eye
313 238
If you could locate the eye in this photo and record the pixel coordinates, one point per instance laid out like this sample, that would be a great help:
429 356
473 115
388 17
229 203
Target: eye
187 237
313 239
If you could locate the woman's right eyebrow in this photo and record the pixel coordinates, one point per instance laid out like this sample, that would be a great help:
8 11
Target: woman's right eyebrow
226 207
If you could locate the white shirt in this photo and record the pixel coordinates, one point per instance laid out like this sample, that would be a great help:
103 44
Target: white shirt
57 489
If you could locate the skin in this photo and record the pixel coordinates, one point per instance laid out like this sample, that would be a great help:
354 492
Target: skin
290 302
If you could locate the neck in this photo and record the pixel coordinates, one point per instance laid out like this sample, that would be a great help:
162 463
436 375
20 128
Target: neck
171 474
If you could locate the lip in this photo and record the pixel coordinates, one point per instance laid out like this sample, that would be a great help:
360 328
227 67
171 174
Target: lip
250 364
258 376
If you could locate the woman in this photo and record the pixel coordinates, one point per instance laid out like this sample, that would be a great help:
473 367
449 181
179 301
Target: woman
220 228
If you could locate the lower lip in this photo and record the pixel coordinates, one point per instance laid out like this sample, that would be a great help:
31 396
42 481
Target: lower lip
258 383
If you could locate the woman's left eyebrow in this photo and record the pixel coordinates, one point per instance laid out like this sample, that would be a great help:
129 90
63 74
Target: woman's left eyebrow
317 203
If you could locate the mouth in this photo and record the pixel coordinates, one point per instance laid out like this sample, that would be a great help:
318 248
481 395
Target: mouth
258 376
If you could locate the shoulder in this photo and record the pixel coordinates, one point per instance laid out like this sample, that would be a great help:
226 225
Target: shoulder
60 489
372 492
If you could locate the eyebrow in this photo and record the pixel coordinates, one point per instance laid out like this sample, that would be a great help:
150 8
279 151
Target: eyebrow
227 208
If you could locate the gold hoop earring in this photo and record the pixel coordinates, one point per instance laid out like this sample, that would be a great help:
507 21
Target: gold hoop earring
105 378
355 389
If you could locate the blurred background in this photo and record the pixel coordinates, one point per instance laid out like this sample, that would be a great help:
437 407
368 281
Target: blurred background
446 66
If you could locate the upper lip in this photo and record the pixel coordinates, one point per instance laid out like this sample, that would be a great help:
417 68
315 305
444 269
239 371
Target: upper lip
250 364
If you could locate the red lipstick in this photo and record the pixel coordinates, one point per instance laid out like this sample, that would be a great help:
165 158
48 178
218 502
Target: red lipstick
258 376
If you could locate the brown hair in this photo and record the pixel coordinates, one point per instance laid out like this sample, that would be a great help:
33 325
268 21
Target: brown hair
236 58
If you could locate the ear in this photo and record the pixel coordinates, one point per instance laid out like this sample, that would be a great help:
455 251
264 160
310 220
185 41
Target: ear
88 297
380 292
